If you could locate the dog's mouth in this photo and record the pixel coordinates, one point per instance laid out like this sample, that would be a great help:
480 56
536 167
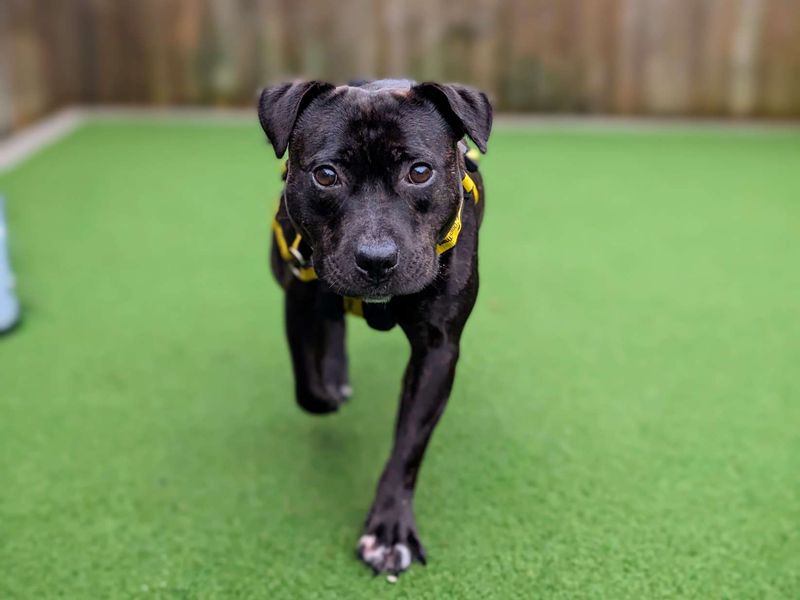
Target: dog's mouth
376 299
371 294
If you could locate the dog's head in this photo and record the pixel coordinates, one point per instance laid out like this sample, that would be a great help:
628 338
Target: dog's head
374 175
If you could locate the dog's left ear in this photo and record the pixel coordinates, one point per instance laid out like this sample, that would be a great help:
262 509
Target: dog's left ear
466 109
281 105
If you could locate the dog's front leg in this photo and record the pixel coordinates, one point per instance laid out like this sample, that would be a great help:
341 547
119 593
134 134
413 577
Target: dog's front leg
390 542
317 347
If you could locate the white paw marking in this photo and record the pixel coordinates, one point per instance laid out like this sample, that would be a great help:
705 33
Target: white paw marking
382 557
373 553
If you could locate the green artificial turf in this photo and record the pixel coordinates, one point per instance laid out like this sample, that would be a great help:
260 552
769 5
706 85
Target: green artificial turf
625 421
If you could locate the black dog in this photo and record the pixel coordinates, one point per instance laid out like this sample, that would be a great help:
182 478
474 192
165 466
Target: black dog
379 216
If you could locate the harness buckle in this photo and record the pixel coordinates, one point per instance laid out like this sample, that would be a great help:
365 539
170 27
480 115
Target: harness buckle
298 256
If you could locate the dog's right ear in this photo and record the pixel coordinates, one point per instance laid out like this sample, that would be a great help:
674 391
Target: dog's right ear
281 105
468 110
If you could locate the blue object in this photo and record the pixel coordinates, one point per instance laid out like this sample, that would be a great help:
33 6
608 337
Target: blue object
9 305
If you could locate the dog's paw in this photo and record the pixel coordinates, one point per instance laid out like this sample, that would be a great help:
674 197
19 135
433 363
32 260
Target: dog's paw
391 545
320 403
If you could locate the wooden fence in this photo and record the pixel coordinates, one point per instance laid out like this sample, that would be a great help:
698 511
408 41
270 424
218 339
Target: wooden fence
692 57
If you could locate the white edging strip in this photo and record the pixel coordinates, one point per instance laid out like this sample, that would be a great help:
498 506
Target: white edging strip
30 140
23 144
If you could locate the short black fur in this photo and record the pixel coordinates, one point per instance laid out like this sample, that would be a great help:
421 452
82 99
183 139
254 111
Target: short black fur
373 235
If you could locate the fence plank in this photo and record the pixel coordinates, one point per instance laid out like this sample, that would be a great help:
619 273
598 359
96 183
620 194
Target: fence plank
715 57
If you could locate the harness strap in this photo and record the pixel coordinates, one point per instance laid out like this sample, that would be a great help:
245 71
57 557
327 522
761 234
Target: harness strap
291 254
451 237
354 306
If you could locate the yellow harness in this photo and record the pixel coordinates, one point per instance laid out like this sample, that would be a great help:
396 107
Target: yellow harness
290 253
451 238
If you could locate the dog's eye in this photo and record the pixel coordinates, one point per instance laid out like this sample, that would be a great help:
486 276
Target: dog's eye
420 173
325 176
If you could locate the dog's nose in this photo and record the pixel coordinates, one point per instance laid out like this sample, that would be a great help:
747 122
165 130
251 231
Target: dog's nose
377 259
